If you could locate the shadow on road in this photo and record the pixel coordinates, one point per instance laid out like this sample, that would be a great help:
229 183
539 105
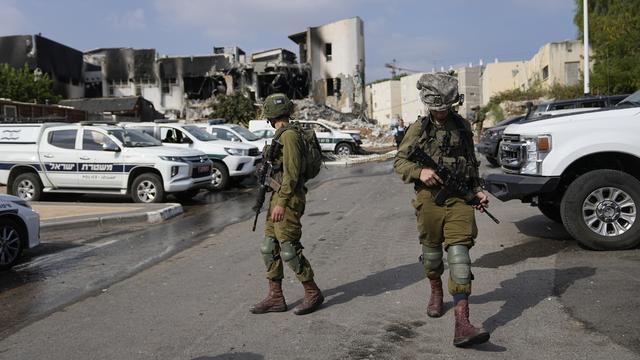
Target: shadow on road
527 290
539 248
375 284
232 356
541 227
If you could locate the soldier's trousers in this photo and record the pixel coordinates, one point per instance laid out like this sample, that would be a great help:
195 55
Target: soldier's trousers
454 223
287 230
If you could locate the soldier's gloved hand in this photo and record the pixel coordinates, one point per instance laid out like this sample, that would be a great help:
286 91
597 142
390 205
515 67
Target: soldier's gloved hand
277 214
484 201
429 177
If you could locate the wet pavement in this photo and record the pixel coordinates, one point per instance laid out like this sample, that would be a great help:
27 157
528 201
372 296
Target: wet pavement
181 289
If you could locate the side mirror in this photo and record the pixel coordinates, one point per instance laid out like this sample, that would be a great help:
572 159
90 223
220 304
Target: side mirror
110 147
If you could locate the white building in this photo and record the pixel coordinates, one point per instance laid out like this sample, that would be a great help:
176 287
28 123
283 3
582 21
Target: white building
412 106
385 102
335 53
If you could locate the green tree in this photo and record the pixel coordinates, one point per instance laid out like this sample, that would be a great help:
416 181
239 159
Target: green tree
23 85
614 35
235 108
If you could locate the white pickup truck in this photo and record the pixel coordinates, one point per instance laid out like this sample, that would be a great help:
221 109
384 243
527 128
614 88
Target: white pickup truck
96 159
582 170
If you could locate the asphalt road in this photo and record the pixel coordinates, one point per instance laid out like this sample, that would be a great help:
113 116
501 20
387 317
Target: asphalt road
182 290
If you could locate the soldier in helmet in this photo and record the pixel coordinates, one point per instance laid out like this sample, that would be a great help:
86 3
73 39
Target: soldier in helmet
283 228
447 138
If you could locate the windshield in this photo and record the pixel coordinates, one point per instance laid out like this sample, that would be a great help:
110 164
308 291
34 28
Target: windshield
199 133
134 138
631 100
245 133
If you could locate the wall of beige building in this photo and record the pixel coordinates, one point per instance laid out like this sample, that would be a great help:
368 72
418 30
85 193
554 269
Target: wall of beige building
412 107
385 101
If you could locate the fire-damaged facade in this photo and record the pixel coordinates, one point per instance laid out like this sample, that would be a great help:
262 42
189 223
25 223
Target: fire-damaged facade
63 64
276 70
335 54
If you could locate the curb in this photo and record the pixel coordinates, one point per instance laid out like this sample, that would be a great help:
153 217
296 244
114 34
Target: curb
361 159
151 217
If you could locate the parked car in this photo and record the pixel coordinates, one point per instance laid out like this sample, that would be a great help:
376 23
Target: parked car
488 144
19 229
231 160
97 159
265 134
579 169
584 102
234 133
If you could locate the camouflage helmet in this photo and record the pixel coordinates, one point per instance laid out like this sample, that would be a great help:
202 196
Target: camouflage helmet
439 91
276 106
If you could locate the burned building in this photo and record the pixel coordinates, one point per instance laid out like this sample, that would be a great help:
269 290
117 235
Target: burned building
276 71
335 54
63 64
127 108
122 72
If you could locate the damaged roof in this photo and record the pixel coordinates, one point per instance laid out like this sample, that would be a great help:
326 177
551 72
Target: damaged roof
100 105
193 66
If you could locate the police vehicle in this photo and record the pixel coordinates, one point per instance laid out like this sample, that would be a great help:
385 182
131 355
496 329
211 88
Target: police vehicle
341 142
234 133
19 229
231 160
96 159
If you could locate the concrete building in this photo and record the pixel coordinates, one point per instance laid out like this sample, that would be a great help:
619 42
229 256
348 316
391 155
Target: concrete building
469 86
501 76
385 101
62 63
412 106
336 55
276 70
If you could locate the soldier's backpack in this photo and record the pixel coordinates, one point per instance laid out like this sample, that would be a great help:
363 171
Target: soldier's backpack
312 152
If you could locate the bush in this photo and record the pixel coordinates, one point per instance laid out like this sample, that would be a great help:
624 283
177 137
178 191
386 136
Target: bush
235 108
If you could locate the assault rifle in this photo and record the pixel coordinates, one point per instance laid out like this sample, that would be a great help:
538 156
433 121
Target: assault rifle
452 185
265 181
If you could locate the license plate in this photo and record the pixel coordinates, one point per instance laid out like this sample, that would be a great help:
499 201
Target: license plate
203 169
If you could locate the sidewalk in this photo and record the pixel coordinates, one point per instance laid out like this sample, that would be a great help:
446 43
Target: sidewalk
69 215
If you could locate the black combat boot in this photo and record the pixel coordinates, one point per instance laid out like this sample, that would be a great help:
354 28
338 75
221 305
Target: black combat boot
434 308
274 302
312 299
465 333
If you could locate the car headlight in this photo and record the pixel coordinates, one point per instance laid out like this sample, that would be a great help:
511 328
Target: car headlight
237 152
172 158
535 150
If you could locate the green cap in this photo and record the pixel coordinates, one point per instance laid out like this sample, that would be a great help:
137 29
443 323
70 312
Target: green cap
276 106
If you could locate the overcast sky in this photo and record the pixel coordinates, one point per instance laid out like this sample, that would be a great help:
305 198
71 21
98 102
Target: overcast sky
417 33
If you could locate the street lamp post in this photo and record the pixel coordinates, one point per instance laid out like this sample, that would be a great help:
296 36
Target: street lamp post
585 15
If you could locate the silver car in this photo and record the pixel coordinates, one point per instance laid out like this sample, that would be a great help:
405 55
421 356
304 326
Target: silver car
19 229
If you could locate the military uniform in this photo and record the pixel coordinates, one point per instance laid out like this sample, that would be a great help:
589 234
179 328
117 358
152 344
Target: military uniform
281 242
291 196
449 142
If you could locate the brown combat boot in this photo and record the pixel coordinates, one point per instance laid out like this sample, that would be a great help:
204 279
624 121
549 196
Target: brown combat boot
434 308
467 334
312 299
274 302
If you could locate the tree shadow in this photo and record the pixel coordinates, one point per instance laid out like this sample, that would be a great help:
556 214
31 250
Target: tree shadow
232 356
527 290
375 284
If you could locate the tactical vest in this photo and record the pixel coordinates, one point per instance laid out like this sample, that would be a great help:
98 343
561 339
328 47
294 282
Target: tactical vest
447 145
278 169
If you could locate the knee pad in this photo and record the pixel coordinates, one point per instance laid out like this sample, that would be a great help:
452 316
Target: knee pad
459 264
431 257
267 249
290 256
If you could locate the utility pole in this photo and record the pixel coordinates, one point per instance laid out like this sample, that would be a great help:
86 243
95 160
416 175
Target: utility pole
585 15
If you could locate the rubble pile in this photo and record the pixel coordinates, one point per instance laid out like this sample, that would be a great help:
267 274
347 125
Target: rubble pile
306 109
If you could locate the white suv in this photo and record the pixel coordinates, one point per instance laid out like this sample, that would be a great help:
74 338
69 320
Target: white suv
230 159
19 229
235 133
96 159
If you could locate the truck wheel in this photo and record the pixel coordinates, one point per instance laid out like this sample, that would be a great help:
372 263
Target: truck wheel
551 210
344 149
493 161
10 243
220 176
27 186
599 209
147 188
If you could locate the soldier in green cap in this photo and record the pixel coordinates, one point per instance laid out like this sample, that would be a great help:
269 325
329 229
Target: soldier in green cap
283 229
447 138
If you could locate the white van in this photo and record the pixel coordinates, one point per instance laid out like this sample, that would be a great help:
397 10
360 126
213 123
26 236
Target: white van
231 160
96 159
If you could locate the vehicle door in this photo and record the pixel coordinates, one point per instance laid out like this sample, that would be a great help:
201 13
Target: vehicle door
224 134
324 135
59 155
101 162
171 136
